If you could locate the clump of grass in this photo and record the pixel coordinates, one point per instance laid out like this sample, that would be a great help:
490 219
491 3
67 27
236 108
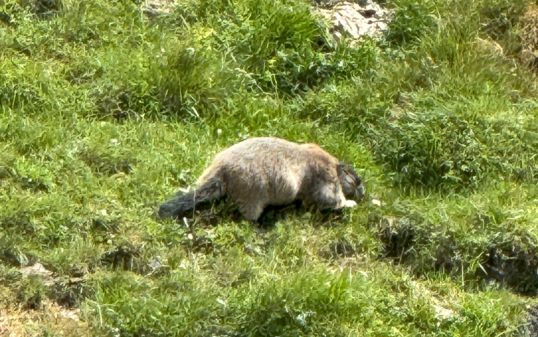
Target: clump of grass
193 81
412 20
432 105
279 44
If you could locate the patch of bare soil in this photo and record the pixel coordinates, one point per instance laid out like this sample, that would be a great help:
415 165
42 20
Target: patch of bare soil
44 305
52 319
512 267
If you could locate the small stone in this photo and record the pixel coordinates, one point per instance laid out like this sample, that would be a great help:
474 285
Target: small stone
36 269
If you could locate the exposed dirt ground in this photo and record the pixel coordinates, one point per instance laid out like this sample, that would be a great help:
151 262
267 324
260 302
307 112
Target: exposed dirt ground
51 320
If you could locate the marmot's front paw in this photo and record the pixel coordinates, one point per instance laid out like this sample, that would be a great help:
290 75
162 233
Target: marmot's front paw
350 203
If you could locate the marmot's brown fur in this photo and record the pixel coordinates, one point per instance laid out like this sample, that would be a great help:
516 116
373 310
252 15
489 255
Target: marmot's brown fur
266 171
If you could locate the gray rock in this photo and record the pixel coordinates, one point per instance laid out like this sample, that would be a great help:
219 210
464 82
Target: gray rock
355 20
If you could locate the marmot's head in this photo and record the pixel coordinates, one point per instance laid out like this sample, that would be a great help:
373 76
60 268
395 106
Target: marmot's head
351 182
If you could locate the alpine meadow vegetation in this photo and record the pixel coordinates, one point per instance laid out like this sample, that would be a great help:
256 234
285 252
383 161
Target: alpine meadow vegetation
108 108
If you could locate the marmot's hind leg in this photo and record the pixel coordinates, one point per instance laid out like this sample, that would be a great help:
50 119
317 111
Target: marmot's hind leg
251 210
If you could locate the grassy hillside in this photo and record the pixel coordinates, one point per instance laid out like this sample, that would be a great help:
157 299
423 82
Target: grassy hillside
106 111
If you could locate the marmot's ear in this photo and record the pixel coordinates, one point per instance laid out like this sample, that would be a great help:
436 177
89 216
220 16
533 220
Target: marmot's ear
347 169
340 169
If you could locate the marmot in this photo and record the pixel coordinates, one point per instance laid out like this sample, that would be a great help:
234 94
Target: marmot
264 171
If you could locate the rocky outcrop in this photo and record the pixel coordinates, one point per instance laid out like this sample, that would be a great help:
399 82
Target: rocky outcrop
355 20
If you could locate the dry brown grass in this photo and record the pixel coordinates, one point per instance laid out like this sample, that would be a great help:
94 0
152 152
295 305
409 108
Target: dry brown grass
529 36
52 319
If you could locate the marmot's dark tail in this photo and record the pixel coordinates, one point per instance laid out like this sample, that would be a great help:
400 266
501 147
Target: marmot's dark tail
213 189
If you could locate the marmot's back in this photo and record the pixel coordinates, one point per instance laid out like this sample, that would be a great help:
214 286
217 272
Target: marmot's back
271 156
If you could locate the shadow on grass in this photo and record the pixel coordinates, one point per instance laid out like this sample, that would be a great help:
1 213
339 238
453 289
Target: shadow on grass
509 266
212 213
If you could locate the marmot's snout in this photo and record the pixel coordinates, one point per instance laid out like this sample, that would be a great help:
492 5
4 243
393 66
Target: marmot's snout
360 193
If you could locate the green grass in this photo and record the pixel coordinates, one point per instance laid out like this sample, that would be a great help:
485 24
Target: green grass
105 113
